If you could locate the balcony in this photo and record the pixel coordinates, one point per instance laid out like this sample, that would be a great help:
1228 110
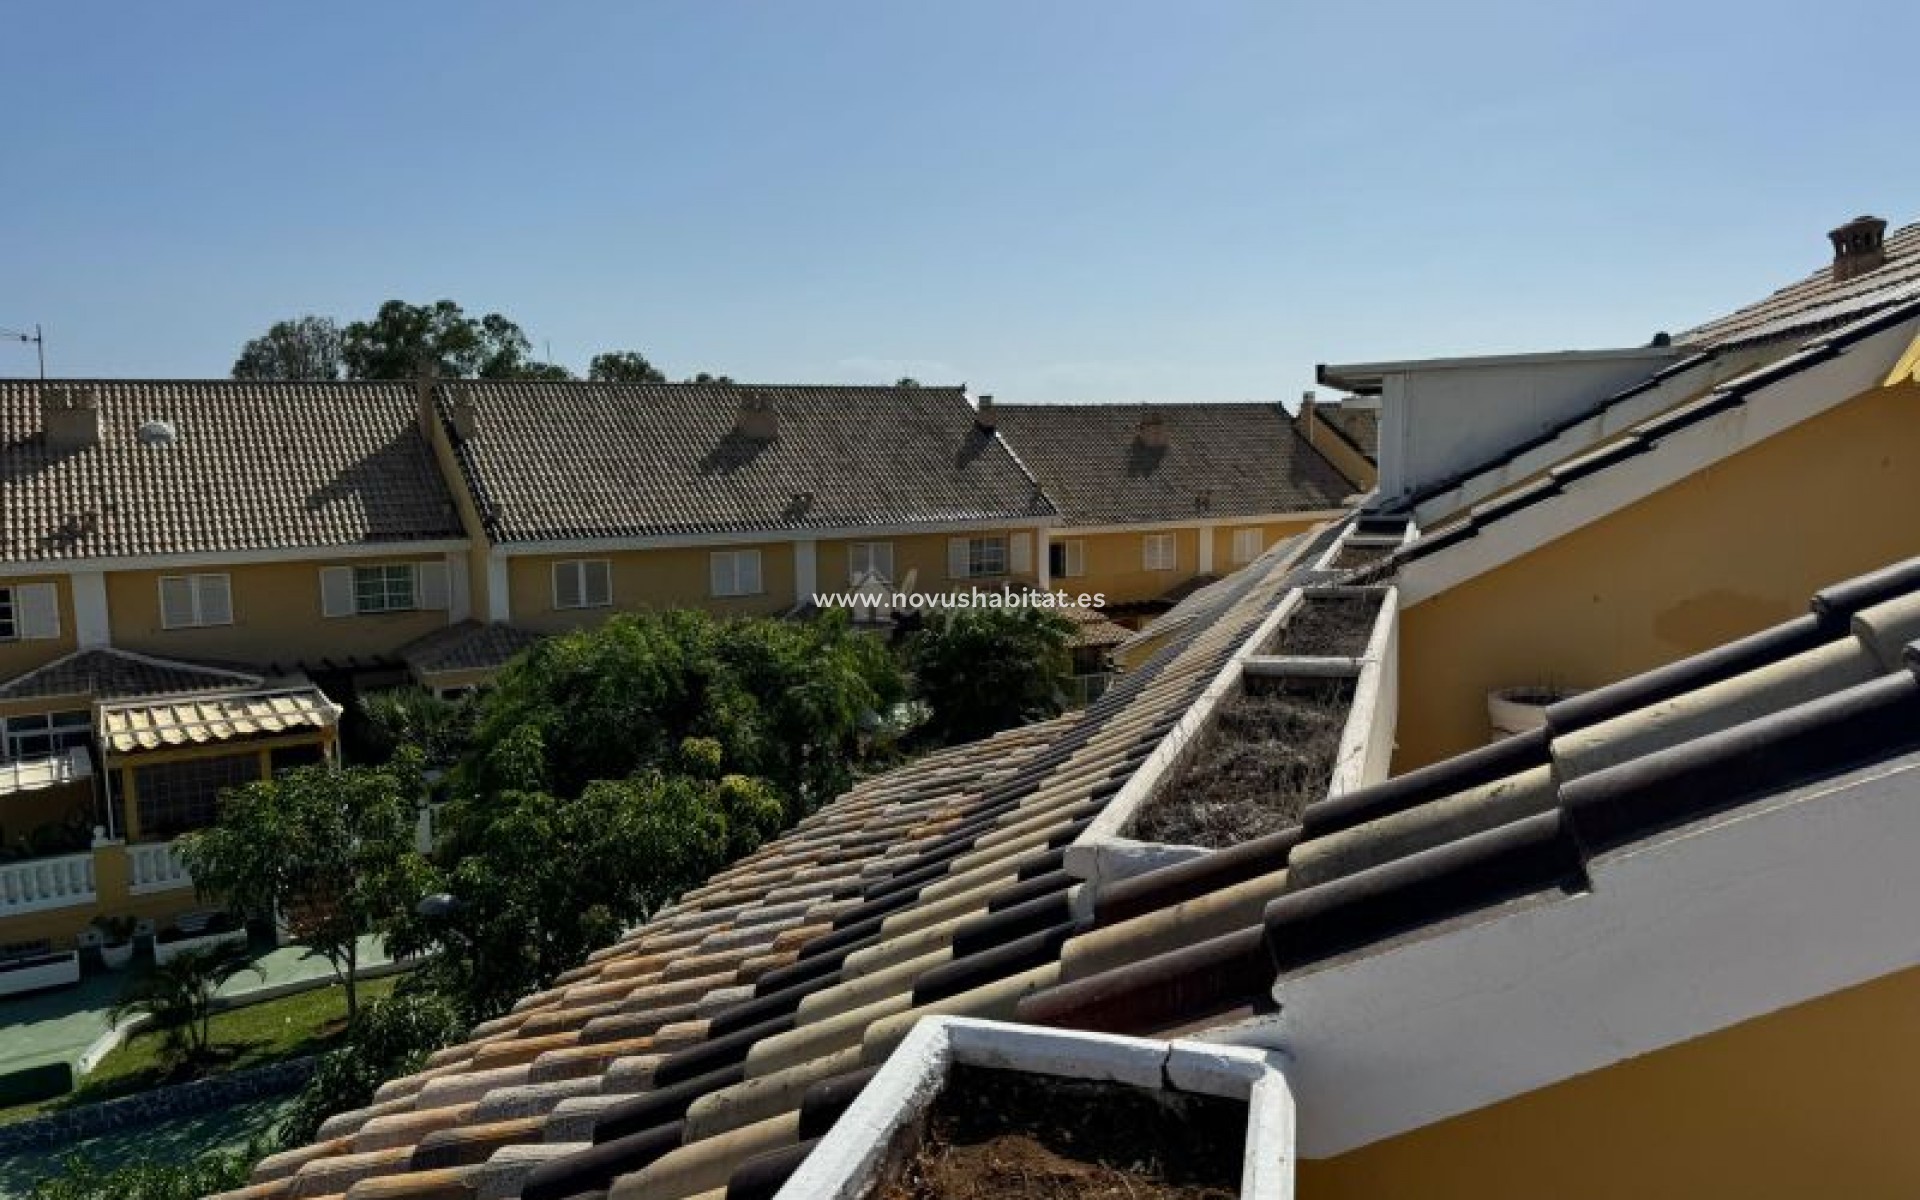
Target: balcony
38 884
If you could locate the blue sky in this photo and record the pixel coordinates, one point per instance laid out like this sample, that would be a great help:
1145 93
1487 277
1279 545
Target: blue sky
1049 201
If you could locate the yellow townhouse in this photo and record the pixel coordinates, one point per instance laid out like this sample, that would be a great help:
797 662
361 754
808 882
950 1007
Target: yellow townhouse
194 578
1584 517
1156 500
583 499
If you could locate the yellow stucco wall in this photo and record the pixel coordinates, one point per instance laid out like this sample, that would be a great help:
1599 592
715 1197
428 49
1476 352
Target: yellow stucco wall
1336 450
19 657
922 555
1730 550
1115 564
1815 1100
276 617
648 579
1271 532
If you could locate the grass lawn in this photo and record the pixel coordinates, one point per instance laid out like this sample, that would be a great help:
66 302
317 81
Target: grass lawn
253 1036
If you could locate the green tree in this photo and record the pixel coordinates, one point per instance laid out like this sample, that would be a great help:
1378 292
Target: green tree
82 1179
906 381
178 995
401 336
330 849
624 366
703 377
538 880
393 718
981 670
306 347
392 1037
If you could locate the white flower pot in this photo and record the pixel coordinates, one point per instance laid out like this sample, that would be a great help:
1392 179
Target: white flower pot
1518 710
116 957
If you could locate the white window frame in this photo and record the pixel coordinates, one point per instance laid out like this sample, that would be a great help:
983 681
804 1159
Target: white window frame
869 557
1073 558
203 609
388 574
9 616
988 557
581 573
727 575
63 730
1160 552
1248 545
32 612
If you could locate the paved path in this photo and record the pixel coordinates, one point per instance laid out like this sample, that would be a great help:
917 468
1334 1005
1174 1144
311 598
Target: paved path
60 1025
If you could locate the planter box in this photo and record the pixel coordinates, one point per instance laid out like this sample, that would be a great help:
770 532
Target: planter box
167 951
39 972
881 1128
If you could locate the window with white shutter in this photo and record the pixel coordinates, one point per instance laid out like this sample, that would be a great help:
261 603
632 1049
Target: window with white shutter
193 601
36 611
869 560
1020 553
1246 545
1067 560
1159 552
336 591
432 588
735 572
582 583
977 557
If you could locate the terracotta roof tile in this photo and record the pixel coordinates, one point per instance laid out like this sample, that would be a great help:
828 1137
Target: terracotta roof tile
1818 301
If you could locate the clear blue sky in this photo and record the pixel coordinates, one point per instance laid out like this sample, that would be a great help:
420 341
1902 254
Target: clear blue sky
1091 200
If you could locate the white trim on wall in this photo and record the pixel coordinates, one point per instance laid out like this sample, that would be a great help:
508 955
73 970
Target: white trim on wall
761 537
92 621
236 558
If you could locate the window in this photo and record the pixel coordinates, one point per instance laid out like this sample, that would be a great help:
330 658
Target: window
384 588
44 734
977 557
735 572
1246 545
1067 560
583 583
29 612
180 797
869 560
1161 554
190 601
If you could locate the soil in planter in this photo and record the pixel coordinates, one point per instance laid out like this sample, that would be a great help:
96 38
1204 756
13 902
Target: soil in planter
1268 754
1329 626
1007 1135
1352 556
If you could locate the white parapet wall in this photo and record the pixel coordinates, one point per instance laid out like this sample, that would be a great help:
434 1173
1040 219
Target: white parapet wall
851 1158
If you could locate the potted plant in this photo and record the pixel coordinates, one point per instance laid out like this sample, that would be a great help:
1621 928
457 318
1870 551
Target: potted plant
116 941
1520 709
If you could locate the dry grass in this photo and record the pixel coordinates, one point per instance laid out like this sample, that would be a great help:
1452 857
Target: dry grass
1267 754
1328 626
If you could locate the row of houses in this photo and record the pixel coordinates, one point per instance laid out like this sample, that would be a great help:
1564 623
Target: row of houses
1582 861
218 567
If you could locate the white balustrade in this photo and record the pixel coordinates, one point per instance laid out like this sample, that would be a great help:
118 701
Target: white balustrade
155 867
42 883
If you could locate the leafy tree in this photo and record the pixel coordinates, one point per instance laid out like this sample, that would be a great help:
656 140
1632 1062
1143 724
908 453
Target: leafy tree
551 372
442 730
178 996
539 880
400 336
330 849
304 348
703 377
906 381
624 366
782 700
392 1037
985 669
82 1179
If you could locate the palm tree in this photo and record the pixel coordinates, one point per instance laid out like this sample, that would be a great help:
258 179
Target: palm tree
178 996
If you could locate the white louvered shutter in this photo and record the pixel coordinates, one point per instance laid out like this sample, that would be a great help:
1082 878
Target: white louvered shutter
430 586
957 558
566 585
720 574
176 601
1020 550
596 583
748 572
36 611
336 591
214 594
1076 558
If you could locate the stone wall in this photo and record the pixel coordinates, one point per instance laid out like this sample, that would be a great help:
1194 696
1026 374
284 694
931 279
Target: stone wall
159 1104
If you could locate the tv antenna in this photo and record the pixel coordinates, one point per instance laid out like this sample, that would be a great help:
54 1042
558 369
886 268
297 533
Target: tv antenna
39 344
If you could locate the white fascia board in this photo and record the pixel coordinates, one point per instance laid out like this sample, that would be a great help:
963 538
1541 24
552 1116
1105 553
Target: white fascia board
1771 410
233 558
1784 901
1064 532
1369 372
675 541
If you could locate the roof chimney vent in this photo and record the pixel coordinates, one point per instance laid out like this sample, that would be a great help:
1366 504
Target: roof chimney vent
466 415
757 419
983 414
158 433
1859 247
1152 432
70 417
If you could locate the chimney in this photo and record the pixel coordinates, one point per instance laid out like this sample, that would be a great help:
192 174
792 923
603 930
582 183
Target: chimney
1308 403
757 419
70 418
1152 432
983 414
425 372
466 414
1859 248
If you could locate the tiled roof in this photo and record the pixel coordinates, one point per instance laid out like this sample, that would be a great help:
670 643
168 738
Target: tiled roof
130 726
1817 301
568 461
251 466
467 646
109 674
1359 426
720 1037
1828 693
1219 460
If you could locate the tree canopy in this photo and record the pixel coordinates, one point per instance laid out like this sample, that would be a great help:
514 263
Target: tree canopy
306 347
624 366
982 670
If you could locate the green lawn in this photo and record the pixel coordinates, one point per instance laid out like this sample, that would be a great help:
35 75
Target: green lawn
253 1036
